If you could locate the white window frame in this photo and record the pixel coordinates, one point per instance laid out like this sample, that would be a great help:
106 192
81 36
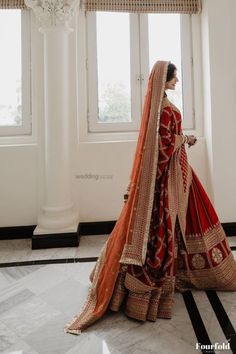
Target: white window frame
94 125
26 127
192 80
187 72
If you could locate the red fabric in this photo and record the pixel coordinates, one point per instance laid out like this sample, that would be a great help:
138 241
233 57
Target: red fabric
160 251
200 213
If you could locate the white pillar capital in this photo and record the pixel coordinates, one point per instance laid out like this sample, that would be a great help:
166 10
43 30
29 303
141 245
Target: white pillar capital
53 13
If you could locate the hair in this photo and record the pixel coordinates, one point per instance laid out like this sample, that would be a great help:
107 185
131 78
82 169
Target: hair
170 72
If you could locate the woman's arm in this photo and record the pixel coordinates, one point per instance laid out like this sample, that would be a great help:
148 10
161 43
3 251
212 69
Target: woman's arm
169 142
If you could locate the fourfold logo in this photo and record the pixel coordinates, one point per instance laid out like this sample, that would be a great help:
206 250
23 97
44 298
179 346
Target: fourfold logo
216 346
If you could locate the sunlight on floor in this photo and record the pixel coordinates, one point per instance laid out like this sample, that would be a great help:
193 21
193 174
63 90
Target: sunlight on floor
105 349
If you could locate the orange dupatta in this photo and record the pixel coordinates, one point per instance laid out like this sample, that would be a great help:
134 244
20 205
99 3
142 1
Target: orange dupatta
128 241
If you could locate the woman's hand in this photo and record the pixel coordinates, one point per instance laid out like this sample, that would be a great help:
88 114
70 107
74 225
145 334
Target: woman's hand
191 140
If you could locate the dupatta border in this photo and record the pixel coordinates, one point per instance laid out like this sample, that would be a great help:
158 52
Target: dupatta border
135 251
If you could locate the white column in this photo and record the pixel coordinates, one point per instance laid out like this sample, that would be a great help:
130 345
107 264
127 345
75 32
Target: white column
58 214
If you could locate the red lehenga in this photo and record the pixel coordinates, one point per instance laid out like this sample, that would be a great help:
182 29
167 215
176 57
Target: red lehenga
165 240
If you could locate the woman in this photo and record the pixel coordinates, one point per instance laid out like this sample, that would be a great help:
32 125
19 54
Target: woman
168 235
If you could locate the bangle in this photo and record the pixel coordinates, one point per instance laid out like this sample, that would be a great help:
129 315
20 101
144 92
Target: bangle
185 139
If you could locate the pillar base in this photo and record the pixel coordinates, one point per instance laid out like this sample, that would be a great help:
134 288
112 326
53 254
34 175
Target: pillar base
45 238
54 219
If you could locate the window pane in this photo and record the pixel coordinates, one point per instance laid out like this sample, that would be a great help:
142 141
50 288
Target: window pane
165 44
10 68
113 59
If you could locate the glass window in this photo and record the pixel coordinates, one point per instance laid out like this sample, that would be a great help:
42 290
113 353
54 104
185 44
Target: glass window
10 68
113 67
121 49
165 44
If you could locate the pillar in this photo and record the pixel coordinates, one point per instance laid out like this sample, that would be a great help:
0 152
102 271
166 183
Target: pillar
58 220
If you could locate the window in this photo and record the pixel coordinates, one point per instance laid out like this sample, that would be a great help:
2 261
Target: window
113 84
160 47
113 70
15 112
119 50
174 44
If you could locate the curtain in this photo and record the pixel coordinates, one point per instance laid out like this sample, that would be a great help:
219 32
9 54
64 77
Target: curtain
12 4
142 6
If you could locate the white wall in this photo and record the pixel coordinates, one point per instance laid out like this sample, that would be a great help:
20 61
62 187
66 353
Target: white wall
21 157
21 188
18 189
219 58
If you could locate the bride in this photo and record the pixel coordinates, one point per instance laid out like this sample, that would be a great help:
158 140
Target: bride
168 236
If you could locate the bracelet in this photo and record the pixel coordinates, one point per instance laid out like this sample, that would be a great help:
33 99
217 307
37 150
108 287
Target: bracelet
185 139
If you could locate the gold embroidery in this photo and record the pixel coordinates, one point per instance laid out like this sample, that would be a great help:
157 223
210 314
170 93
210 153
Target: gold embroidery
217 255
198 261
135 253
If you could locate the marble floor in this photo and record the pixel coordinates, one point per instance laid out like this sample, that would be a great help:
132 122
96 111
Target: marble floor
36 301
19 251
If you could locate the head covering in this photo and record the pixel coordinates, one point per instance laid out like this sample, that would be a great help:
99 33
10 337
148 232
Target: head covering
143 175
127 243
